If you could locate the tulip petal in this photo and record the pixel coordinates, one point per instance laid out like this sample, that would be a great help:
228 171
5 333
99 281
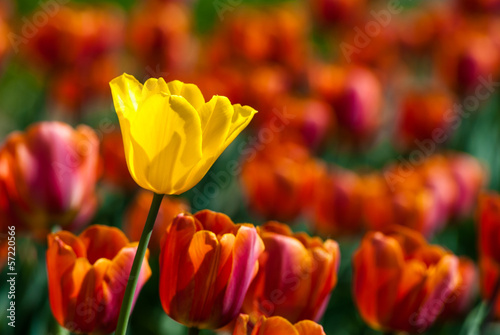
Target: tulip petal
216 116
63 250
102 242
308 327
168 129
247 249
154 86
176 269
216 222
441 284
241 118
241 325
127 94
377 271
190 92
274 326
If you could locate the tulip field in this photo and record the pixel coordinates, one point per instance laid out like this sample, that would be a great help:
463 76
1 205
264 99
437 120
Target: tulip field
250 167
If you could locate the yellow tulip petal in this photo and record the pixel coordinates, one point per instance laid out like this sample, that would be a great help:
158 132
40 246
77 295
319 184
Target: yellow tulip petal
190 92
127 93
168 129
137 159
154 86
215 118
241 118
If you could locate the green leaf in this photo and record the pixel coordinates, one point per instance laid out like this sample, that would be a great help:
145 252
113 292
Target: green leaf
472 324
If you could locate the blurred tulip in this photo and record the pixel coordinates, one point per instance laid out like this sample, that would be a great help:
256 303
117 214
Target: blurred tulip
468 62
377 207
337 204
296 275
338 12
49 174
137 214
438 178
411 203
87 275
160 37
74 37
276 326
460 302
470 176
305 120
278 180
115 170
256 36
170 133
400 283
72 89
206 266
425 115
489 248
356 96
480 6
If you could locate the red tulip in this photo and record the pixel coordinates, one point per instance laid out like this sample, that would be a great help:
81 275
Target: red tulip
206 266
87 277
400 282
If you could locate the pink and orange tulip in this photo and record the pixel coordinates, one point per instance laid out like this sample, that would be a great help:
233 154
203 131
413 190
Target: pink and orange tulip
206 266
296 275
87 276
49 173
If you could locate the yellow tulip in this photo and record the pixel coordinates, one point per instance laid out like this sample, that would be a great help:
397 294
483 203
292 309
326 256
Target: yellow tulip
171 135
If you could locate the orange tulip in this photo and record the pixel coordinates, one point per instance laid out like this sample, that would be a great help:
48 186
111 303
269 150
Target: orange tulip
276 326
296 275
160 38
87 277
337 203
489 247
206 265
401 283
423 117
278 180
137 214
49 173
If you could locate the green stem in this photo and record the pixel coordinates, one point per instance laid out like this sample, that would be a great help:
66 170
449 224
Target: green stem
128 298
193 331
